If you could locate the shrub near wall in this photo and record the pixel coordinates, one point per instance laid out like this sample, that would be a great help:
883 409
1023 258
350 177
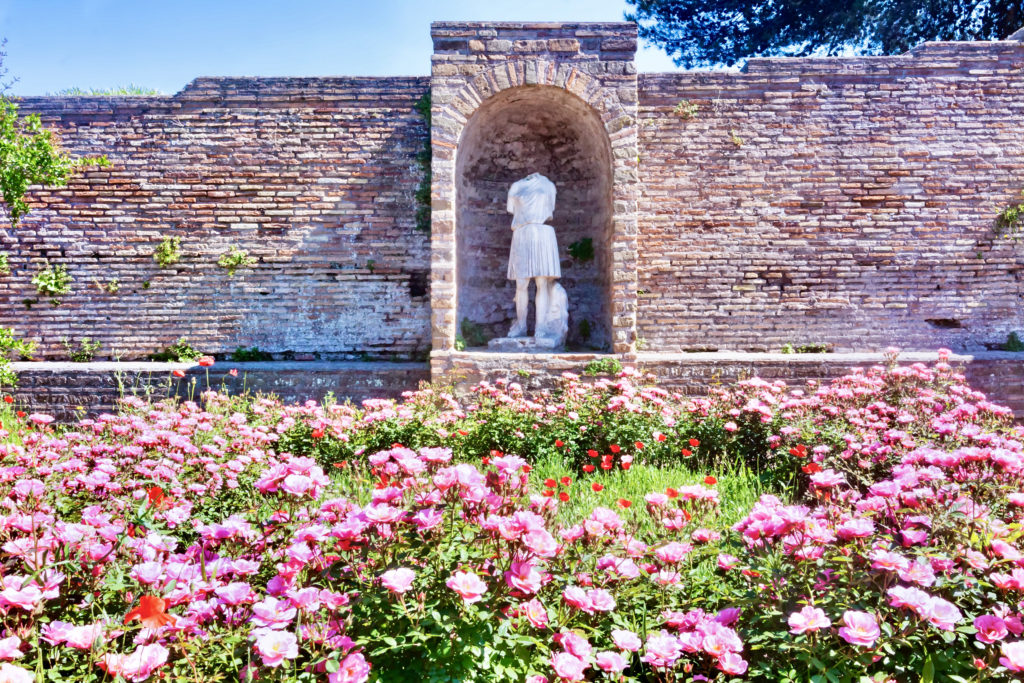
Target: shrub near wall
186 543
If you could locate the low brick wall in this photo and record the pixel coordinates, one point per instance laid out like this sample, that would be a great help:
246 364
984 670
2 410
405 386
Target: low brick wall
67 390
70 389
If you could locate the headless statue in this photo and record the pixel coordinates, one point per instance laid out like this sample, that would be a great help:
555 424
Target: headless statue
534 256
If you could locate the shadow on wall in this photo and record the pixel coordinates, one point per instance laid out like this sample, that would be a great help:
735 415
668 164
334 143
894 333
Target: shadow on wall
535 129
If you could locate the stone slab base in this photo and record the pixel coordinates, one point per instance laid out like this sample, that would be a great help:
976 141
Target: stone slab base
523 345
69 390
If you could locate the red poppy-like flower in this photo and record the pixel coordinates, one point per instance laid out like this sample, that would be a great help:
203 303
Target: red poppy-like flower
563 496
233 372
687 452
694 443
606 465
152 612
710 481
589 468
614 449
485 460
799 451
156 497
526 469
660 437
206 361
671 493
178 373
463 432
20 413
548 493
639 445
597 487
592 453
811 468
8 399
550 483
318 433
623 503
566 481
626 465
559 443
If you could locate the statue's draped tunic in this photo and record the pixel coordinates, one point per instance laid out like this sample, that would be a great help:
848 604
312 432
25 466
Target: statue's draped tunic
534 253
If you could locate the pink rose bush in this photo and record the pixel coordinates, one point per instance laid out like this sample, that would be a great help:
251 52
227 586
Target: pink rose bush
244 539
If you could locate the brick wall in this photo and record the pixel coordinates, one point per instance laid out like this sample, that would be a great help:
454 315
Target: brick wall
843 201
313 176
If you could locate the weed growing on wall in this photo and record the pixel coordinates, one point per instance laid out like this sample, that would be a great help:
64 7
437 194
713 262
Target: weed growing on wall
178 352
234 260
423 160
248 355
686 109
83 352
603 366
1010 221
582 250
53 281
168 252
5 266
12 348
1013 343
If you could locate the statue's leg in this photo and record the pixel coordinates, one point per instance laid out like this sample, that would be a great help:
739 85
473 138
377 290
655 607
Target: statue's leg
543 303
522 308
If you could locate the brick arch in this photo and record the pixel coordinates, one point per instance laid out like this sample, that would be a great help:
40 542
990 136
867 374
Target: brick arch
456 97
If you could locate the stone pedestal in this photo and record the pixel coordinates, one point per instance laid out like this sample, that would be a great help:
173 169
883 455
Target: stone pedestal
524 345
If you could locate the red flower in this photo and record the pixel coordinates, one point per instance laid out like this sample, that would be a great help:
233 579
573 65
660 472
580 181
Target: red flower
592 453
811 468
463 432
639 445
614 449
550 483
8 399
485 460
563 496
606 465
156 496
178 373
206 361
694 443
597 487
687 452
526 468
152 612
233 372
589 468
559 443
661 437
626 466
710 481
799 451
20 413
566 481
623 503
318 433
671 493
548 493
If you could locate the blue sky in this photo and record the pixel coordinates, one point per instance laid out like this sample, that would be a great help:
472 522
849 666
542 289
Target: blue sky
163 44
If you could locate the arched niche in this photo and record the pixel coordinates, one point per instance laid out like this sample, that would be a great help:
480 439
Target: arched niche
519 131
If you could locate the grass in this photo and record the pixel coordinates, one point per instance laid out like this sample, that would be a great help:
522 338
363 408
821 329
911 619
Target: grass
738 488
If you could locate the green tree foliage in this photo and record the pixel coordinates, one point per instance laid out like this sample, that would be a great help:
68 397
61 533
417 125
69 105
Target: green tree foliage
29 155
728 32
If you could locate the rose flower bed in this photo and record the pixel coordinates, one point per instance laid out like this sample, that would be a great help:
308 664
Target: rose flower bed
607 531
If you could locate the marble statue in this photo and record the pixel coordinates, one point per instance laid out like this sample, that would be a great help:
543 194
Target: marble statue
534 256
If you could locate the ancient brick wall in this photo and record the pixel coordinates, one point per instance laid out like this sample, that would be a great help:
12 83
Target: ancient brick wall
842 201
314 177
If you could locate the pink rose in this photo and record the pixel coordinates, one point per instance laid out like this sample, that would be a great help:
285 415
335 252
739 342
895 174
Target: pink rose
1013 655
273 613
661 650
810 618
861 628
567 667
353 669
626 640
398 580
990 628
601 600
467 585
942 614
276 646
15 674
732 664
138 665
10 648
535 613
610 661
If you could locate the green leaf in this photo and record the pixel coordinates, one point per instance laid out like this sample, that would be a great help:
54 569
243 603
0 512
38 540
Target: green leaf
928 672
